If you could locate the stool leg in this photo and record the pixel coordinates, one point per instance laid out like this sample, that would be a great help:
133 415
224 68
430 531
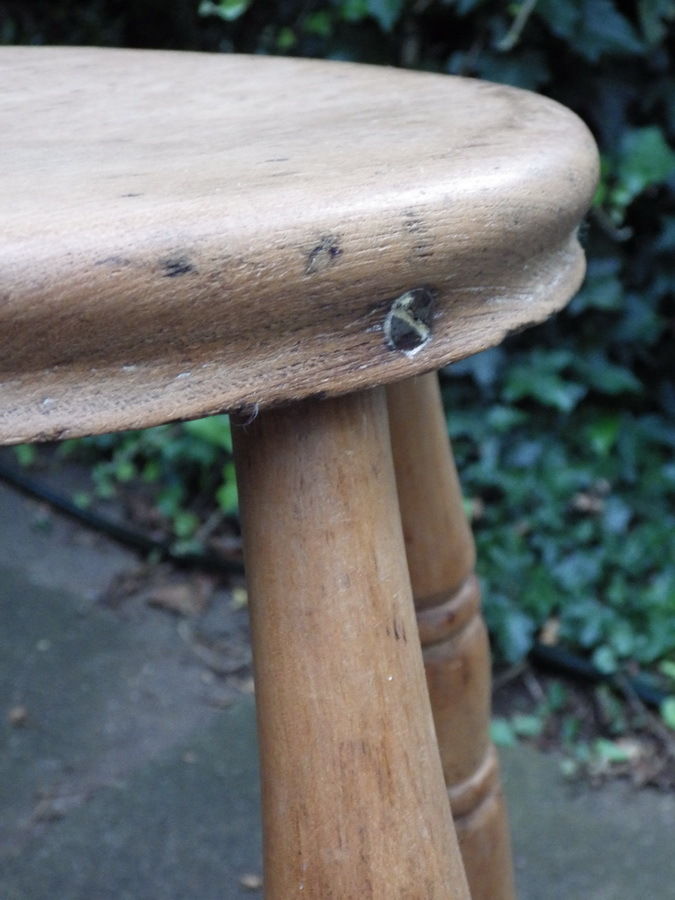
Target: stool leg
352 786
441 558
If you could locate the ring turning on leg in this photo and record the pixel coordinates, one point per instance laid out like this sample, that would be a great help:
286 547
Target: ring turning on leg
441 559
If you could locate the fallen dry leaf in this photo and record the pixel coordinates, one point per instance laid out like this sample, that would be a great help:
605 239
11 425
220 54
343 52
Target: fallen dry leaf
247 685
587 503
187 598
550 632
239 598
17 716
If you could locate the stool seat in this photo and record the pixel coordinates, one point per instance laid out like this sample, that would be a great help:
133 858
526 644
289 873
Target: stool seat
184 234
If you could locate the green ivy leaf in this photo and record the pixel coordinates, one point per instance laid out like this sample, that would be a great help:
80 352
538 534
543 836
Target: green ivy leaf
602 375
386 12
527 725
602 289
185 523
82 499
528 69
548 388
502 733
561 18
517 632
26 454
228 10
124 470
668 712
539 593
603 432
640 323
227 496
622 638
170 499
653 15
645 159
466 6
286 39
616 517
319 23
213 430
504 418
665 243
667 667
353 10
610 751
605 660
604 30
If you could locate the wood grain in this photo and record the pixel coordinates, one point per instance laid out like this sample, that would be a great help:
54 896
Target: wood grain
441 558
189 233
354 804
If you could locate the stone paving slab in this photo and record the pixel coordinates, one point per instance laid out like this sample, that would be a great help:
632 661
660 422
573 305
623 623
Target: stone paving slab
182 827
125 782
575 842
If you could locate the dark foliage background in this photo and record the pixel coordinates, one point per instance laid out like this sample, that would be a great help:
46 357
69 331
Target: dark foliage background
564 435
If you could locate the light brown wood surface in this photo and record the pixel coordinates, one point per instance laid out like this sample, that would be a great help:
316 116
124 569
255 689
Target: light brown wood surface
186 233
441 558
354 804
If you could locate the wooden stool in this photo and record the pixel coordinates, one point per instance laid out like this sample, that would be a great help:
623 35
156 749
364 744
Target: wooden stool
186 234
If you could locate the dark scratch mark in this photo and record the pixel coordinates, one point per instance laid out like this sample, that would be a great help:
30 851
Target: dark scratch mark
113 261
399 632
324 254
422 237
176 265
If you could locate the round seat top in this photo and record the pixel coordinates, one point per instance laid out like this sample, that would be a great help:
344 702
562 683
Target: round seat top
184 233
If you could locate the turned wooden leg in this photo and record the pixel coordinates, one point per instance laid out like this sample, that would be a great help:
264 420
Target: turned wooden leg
441 559
353 799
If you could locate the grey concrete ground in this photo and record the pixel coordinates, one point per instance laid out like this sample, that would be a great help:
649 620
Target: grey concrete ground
128 768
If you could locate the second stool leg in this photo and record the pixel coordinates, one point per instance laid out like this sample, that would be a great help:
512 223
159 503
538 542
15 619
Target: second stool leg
354 805
441 559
